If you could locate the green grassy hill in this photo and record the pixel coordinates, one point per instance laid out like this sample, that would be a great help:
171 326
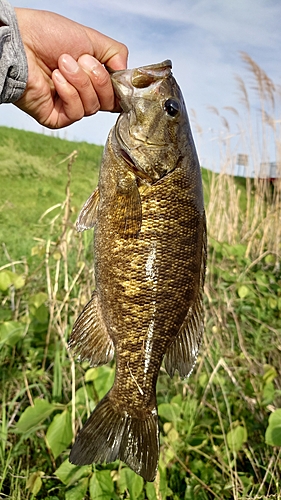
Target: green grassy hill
33 179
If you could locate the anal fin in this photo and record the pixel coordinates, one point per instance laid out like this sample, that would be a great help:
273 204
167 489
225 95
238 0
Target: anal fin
89 337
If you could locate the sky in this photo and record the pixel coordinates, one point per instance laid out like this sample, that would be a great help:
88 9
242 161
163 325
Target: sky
203 38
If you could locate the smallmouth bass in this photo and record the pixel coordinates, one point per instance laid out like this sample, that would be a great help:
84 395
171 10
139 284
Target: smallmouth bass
150 259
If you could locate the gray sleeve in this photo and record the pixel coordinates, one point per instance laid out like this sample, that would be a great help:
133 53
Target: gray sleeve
13 61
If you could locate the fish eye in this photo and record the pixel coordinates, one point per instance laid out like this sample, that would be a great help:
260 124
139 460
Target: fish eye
172 107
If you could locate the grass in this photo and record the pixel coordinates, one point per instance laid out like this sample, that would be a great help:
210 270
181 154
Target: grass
220 429
34 178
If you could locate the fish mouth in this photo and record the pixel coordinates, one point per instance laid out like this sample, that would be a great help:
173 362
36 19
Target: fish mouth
145 76
139 78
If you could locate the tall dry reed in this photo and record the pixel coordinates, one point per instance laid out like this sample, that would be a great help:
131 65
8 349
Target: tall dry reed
249 212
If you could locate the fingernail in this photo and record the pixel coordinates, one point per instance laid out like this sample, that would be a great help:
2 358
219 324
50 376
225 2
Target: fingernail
69 64
59 77
88 62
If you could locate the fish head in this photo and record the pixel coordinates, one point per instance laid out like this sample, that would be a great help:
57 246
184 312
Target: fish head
153 130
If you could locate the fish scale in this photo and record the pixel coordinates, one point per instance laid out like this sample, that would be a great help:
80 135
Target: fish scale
150 258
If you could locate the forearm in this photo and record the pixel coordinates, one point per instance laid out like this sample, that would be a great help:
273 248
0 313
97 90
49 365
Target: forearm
13 62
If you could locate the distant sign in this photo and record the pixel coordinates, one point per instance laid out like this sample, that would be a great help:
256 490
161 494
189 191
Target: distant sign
243 160
270 170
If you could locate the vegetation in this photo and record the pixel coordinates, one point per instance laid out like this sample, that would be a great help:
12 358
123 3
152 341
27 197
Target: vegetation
34 178
221 428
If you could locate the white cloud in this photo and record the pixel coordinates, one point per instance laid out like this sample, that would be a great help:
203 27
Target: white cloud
250 21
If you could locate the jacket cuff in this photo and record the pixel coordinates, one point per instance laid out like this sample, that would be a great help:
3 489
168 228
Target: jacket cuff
13 60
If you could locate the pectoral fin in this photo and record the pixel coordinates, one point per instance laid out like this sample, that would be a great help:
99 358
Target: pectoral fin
89 337
127 211
88 215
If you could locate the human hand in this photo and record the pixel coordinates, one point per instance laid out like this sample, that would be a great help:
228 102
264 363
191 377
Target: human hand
66 76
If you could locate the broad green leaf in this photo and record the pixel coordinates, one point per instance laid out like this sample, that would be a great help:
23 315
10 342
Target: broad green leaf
91 374
273 435
170 411
167 426
59 433
80 396
272 302
130 481
102 377
243 291
11 332
262 280
150 491
166 456
19 281
270 373
101 486
79 491
69 473
197 439
228 276
38 299
8 278
268 393
177 399
38 250
5 280
203 378
57 255
237 250
236 438
173 435
42 314
273 431
34 415
275 417
270 259
34 482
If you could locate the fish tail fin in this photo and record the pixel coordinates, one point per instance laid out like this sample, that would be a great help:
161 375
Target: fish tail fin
110 434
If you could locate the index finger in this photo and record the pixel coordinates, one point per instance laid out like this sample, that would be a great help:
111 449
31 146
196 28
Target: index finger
108 51
101 82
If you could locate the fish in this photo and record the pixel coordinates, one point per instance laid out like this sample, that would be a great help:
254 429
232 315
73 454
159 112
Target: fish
150 253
